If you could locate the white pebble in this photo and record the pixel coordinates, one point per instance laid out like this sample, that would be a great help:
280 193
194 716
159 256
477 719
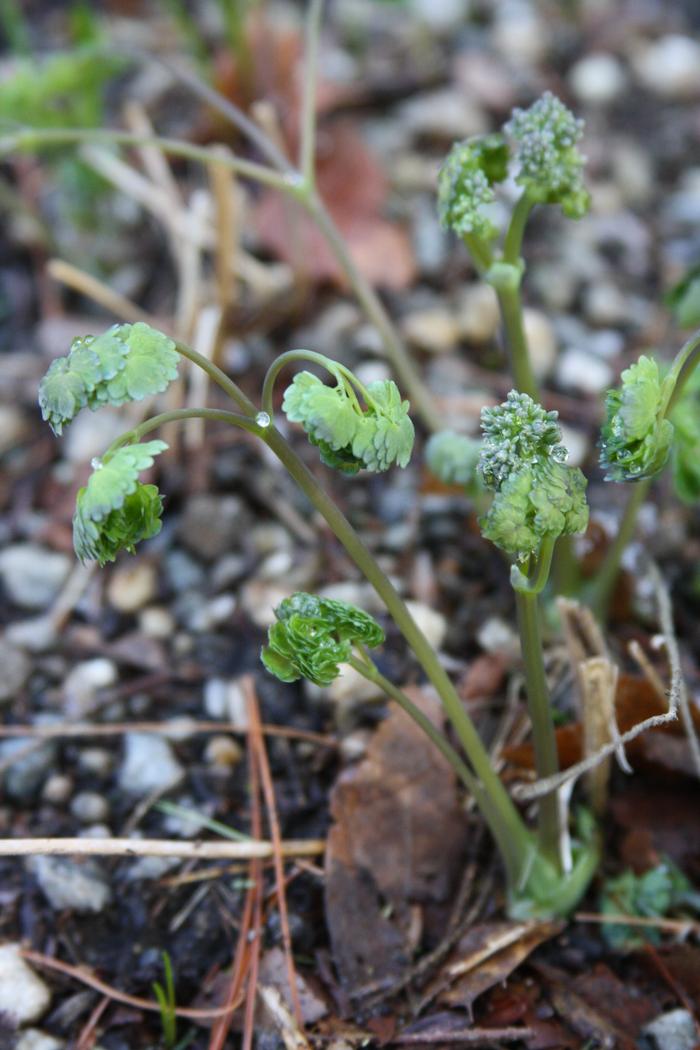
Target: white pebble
598 79
581 371
23 996
670 67
149 765
132 586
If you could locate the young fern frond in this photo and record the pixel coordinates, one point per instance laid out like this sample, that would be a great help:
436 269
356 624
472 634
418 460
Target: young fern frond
313 635
349 437
129 362
114 511
636 438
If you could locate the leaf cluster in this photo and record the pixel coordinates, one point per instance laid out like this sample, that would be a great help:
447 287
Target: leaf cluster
453 457
652 895
64 90
550 165
114 511
126 363
636 438
351 438
523 461
313 635
465 184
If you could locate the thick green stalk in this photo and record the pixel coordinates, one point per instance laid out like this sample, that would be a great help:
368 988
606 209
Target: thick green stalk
539 704
606 576
503 818
510 302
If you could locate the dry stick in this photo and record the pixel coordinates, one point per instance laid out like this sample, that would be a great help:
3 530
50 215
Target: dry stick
257 921
86 1039
487 1037
80 281
647 668
120 847
676 694
276 837
220 1029
174 729
671 925
226 196
77 973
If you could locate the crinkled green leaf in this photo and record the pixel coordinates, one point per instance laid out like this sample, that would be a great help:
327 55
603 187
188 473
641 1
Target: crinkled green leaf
636 440
550 164
518 433
465 185
533 503
125 363
313 635
349 437
452 457
685 461
150 365
138 518
112 481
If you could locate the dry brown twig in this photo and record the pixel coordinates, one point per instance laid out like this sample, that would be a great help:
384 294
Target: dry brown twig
199 850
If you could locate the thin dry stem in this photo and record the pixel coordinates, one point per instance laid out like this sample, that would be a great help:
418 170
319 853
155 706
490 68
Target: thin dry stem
114 847
84 283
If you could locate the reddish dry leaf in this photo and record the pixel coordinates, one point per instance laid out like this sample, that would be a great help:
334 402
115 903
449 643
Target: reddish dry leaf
487 955
659 818
354 187
582 1016
664 747
483 678
625 1007
396 846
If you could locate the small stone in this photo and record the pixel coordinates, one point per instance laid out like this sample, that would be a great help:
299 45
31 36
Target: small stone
156 622
213 525
33 1039
23 996
206 615
442 15
224 700
353 745
183 572
91 432
598 79
581 371
670 67
519 33
577 445
223 752
604 304
84 681
675 1030
36 635
33 575
432 623
435 330
57 789
147 869
478 316
541 340
348 689
497 636
132 586
149 765
260 598
13 427
89 808
16 668
442 115
96 760
26 774
65 884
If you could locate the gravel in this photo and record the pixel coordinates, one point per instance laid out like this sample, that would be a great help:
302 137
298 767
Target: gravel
23 995
149 765
65 884
33 575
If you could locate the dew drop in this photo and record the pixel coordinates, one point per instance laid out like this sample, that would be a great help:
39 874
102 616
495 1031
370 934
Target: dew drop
262 419
96 463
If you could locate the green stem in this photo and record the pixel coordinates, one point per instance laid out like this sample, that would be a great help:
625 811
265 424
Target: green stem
334 367
219 377
682 368
502 816
607 574
510 302
176 415
307 150
374 309
480 251
512 244
30 138
539 705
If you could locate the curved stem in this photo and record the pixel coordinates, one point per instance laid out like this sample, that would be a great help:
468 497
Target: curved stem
307 150
215 415
480 252
681 370
536 581
510 302
373 307
30 138
503 817
539 708
334 367
219 377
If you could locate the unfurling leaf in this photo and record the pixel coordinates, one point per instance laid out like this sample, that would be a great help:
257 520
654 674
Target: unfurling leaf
351 438
126 363
114 510
636 439
550 164
452 457
465 184
312 636
523 461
